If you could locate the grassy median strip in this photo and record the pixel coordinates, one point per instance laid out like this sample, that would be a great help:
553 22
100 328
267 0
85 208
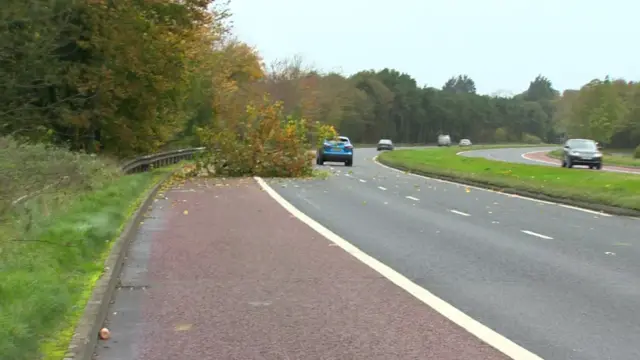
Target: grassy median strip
585 186
608 158
49 270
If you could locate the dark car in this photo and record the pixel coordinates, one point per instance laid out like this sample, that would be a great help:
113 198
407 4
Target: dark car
385 144
582 152
338 150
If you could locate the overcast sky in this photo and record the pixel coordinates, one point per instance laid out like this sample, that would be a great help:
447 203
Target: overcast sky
501 44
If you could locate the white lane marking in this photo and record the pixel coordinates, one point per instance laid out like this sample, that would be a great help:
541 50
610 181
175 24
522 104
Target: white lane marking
459 213
375 159
382 188
537 235
412 198
347 174
526 156
447 310
585 210
362 181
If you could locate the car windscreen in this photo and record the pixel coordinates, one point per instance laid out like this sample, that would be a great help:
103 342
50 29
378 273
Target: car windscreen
583 145
385 142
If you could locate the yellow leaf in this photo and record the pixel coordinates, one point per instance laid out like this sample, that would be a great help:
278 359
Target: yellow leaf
183 327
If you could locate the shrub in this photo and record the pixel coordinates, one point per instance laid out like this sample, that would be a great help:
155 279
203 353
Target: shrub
325 132
531 139
500 135
264 143
30 169
636 153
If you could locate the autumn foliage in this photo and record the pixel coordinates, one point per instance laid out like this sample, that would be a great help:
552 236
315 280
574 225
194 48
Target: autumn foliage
265 142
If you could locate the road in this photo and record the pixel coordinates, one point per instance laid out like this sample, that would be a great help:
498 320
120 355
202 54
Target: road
533 156
219 269
559 281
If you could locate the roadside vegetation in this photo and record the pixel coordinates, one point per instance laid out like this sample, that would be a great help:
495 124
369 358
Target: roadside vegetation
60 211
595 187
609 157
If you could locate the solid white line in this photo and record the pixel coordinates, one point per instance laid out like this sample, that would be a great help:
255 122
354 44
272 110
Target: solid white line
537 235
526 157
585 210
412 198
375 160
382 188
463 320
459 213
362 181
608 169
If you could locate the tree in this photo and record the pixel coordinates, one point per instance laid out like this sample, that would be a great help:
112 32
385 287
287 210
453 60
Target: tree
460 84
540 89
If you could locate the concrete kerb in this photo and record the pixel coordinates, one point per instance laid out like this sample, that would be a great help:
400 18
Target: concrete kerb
613 210
85 337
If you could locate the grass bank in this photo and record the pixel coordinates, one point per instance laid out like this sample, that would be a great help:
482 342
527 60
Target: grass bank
584 187
54 242
608 158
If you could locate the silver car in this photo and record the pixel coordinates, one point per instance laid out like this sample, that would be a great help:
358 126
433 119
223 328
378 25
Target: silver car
385 144
465 142
444 140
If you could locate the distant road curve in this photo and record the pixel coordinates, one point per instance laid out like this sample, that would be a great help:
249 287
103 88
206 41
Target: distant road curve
532 156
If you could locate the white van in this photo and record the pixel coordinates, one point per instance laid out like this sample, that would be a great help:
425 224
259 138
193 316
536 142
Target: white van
444 140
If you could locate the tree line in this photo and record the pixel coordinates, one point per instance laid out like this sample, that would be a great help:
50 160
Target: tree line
133 77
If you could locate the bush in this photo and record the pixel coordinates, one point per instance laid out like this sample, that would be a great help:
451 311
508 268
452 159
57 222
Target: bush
500 135
265 143
636 153
531 139
30 169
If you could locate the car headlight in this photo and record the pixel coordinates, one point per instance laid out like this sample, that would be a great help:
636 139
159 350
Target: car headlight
573 153
598 155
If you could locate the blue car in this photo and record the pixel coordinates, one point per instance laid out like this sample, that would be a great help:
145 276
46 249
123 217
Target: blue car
339 150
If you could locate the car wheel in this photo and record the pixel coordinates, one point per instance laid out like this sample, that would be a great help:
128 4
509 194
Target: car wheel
599 166
564 164
319 160
348 163
569 164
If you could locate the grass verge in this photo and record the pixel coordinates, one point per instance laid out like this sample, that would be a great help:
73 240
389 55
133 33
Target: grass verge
566 185
49 270
607 159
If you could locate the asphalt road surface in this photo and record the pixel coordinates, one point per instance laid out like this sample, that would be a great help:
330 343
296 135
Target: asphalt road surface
559 281
532 156
514 155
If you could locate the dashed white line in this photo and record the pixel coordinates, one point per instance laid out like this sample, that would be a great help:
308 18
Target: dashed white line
362 181
382 188
412 198
486 334
459 213
537 235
